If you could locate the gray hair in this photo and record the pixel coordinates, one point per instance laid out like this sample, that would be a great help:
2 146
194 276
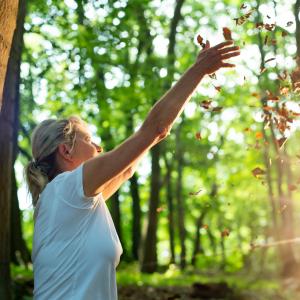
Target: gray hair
44 140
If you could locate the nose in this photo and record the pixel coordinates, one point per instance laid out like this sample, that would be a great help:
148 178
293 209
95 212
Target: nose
98 148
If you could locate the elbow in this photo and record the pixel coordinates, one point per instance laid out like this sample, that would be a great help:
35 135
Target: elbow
129 173
163 132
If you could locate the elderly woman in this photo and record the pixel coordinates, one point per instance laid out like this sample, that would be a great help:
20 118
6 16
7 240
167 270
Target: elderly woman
76 248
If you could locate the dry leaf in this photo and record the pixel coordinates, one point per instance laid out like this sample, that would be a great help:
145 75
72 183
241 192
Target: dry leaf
270 59
198 135
225 232
227 33
205 104
218 88
217 109
292 187
200 41
259 135
258 171
195 193
281 142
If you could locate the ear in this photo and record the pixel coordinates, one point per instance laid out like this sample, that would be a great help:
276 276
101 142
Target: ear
64 152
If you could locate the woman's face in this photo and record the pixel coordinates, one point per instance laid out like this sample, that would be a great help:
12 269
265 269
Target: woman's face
84 147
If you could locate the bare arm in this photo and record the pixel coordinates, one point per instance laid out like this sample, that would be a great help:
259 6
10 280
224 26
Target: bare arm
99 171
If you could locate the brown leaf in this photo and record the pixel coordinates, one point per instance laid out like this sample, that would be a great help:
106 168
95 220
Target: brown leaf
248 129
205 226
242 19
258 171
262 70
218 88
200 41
259 135
198 135
217 109
243 6
292 187
205 104
259 25
213 76
269 27
227 33
225 232
281 142
271 96
195 193
270 59
284 33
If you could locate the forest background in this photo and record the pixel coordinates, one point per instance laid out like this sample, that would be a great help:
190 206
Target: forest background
217 200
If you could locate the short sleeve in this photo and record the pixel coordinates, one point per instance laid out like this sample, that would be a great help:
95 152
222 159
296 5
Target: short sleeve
70 189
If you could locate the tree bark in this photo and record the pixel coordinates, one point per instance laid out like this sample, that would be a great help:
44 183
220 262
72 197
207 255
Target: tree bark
8 18
149 263
8 133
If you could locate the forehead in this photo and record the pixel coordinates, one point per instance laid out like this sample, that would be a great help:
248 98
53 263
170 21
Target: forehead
82 130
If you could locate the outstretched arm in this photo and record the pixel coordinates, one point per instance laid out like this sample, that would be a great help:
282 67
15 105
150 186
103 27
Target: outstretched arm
99 171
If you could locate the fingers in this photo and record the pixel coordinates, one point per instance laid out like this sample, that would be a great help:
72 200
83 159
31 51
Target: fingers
207 45
228 49
222 45
227 65
232 54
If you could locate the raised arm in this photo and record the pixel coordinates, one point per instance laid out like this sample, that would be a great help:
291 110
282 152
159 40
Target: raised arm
101 170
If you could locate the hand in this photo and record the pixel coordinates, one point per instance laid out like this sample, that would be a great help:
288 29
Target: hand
210 59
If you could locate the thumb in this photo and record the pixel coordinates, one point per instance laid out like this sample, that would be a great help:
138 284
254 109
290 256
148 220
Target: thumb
207 45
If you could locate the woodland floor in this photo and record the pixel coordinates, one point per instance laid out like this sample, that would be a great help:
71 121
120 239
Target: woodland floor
290 290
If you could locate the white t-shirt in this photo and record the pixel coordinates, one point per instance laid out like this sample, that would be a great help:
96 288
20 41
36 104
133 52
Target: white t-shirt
76 248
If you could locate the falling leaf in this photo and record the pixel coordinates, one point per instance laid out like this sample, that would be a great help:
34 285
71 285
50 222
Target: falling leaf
225 232
259 135
227 33
242 19
200 41
255 95
269 27
218 88
198 135
205 104
282 208
258 171
259 25
262 70
290 23
284 90
217 109
271 96
195 193
292 187
160 209
281 142
270 59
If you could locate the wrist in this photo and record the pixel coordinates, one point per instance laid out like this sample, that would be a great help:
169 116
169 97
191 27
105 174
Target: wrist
198 70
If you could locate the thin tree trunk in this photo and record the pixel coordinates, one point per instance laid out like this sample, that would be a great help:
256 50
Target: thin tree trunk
170 210
149 263
179 194
136 217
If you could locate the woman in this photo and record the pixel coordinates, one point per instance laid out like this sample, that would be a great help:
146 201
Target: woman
76 248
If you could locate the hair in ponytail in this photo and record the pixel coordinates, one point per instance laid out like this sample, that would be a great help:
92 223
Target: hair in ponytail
45 139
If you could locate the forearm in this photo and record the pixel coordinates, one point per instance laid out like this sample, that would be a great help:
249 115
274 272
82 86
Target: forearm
169 107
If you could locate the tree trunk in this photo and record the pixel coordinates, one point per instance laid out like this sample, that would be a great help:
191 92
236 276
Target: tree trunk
8 18
179 196
136 217
149 263
7 137
170 210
